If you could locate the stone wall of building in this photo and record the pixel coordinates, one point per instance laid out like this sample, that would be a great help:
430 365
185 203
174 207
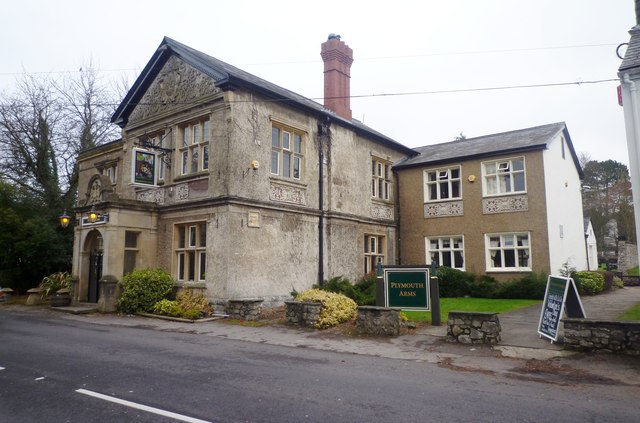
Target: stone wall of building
602 336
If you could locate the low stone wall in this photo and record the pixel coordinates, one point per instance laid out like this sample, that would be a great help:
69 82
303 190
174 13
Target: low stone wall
247 309
379 321
602 336
473 328
303 313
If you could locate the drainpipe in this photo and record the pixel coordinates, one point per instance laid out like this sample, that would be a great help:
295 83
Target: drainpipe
323 133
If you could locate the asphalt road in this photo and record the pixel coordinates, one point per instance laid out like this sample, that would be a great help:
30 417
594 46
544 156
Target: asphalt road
59 370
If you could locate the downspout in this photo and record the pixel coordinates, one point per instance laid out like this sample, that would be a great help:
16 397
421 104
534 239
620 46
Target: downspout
323 132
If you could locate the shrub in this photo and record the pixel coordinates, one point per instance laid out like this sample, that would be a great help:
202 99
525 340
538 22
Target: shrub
367 288
485 287
589 283
187 305
617 282
529 287
143 288
454 282
336 308
168 308
363 292
55 282
608 280
340 285
194 304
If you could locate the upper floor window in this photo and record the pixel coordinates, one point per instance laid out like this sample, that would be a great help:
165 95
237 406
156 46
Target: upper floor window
504 176
191 251
442 184
446 251
112 172
374 247
194 147
508 251
380 179
286 152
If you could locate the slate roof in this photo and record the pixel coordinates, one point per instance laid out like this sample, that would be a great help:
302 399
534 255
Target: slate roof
522 140
226 77
632 55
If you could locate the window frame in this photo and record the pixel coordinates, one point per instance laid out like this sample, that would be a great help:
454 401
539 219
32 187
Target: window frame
194 146
502 248
440 181
372 258
381 179
502 171
441 250
287 153
130 251
190 251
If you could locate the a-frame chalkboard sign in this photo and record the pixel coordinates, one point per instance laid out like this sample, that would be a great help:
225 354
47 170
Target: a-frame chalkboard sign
561 295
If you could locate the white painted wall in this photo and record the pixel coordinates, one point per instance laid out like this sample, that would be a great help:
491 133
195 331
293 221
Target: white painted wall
564 208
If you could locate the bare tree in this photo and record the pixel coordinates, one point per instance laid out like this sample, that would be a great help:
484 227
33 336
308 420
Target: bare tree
30 141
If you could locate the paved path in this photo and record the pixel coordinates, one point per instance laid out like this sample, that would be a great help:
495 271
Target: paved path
520 327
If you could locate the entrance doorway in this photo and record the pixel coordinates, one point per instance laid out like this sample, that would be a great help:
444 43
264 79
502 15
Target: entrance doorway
95 273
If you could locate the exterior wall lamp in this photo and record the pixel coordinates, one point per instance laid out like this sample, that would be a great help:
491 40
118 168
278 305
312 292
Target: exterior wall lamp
93 215
64 219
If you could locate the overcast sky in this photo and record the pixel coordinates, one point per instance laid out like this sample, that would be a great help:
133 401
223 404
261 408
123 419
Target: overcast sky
430 54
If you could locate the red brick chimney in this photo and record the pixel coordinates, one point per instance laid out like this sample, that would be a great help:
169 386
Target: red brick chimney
337 58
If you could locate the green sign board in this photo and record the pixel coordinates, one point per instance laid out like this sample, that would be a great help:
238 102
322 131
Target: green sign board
560 292
407 288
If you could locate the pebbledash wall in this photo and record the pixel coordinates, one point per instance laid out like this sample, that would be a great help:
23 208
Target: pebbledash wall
262 230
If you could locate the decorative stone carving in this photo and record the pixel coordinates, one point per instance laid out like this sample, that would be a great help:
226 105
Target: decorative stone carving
449 208
381 211
287 194
175 85
99 189
182 192
151 196
509 204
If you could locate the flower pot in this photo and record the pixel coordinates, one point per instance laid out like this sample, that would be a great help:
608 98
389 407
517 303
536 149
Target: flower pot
60 300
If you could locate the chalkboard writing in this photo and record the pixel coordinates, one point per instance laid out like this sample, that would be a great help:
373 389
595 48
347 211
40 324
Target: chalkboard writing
553 306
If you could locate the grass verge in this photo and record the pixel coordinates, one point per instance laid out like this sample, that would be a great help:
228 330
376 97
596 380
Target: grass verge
631 314
484 305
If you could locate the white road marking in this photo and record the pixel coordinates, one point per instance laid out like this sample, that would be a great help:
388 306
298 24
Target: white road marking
39 378
141 407
1 368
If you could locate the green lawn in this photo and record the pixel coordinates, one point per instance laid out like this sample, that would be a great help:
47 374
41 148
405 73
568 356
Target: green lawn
633 271
470 304
631 314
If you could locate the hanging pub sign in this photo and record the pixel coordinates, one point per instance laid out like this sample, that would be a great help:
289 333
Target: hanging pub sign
143 169
561 295
406 287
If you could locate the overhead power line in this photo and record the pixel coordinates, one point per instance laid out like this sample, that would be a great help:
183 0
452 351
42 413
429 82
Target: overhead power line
397 94
407 56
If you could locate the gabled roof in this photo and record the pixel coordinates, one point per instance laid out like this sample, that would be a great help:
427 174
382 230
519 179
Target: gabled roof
522 140
228 77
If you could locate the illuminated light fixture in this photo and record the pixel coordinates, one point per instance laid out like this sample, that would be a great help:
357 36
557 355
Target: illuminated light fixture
93 215
65 219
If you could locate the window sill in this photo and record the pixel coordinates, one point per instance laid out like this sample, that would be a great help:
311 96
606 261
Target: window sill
381 201
510 270
287 181
506 194
445 200
202 174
